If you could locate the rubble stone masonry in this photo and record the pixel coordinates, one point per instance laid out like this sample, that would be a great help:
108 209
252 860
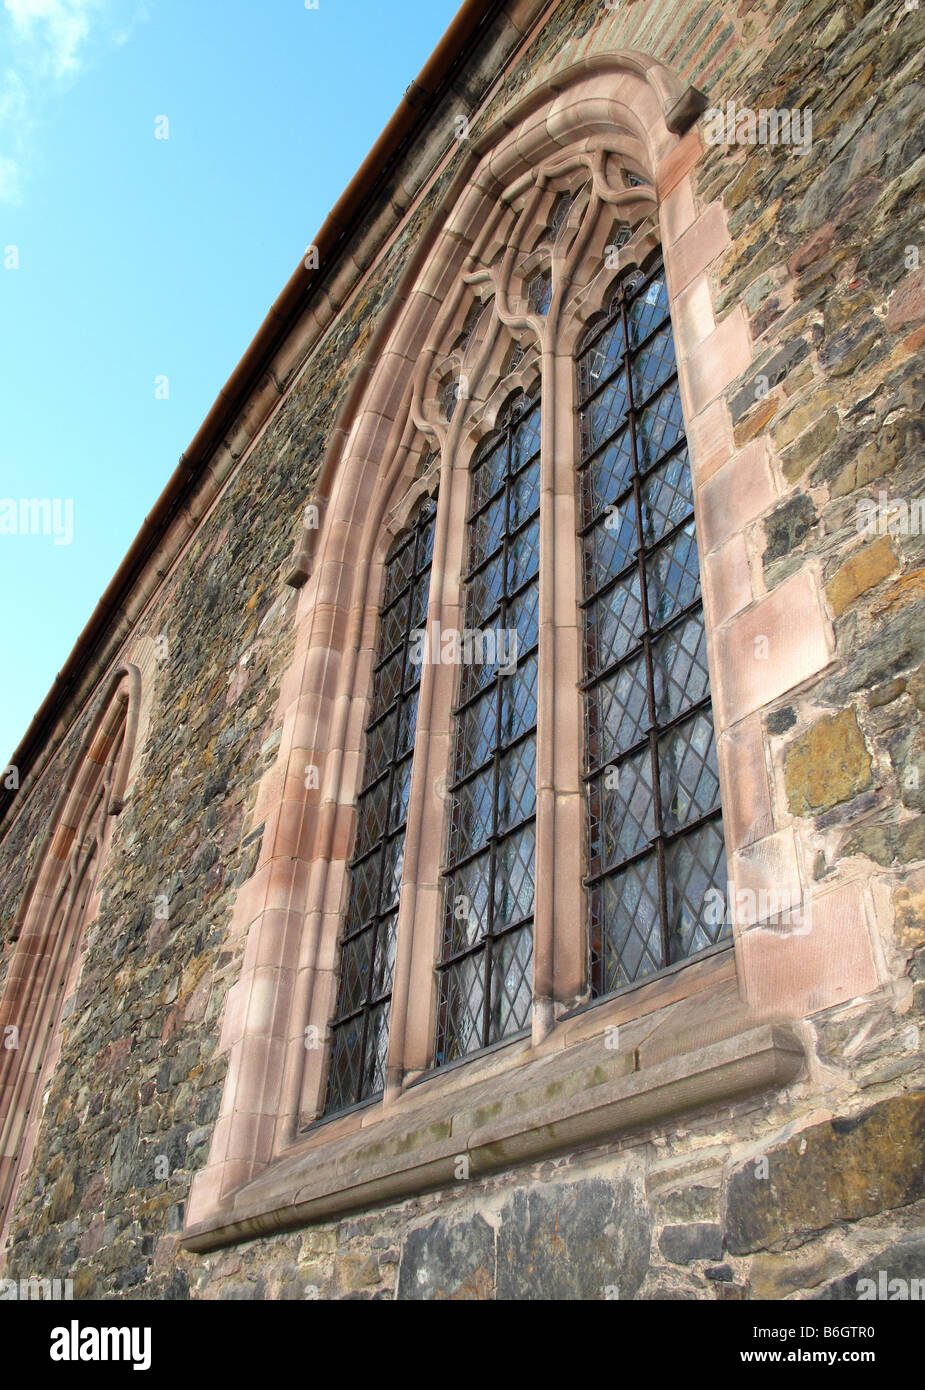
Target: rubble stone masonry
803 273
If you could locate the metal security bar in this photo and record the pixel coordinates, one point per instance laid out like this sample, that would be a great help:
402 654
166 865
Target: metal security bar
655 837
486 969
360 1027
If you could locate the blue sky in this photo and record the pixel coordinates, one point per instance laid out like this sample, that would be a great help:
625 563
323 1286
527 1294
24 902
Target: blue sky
140 258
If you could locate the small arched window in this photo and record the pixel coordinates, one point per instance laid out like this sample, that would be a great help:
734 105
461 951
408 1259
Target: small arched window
55 907
655 835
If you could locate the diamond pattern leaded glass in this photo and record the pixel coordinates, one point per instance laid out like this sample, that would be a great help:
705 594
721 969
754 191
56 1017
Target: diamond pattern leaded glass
486 971
360 1028
560 212
655 838
539 292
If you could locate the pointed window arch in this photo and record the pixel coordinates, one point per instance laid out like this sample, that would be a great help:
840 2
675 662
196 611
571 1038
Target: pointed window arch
55 905
566 199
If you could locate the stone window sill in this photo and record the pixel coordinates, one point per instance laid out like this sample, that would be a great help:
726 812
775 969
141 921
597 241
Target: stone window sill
524 1104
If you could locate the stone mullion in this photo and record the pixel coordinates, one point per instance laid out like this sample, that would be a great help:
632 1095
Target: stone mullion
544 862
566 706
404 927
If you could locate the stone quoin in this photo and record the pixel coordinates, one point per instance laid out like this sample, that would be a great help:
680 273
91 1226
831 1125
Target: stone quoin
592 968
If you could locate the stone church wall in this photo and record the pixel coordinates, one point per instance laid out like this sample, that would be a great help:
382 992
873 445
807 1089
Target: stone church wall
819 256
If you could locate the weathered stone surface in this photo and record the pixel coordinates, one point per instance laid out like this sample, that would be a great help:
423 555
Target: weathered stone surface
766 374
780 720
842 1170
885 694
865 569
754 422
916 687
909 906
888 650
902 842
354 1273
787 527
448 1260
777 1276
792 425
692 1202
896 1274
907 751
827 764
907 589
573 1240
698 1241
811 443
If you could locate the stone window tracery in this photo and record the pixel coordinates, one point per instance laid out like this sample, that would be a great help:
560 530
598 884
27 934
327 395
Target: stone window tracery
652 840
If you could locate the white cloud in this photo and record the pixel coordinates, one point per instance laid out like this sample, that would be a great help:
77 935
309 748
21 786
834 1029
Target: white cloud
56 30
16 127
48 43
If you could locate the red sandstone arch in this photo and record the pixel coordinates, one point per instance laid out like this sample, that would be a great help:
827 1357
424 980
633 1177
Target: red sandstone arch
54 909
616 104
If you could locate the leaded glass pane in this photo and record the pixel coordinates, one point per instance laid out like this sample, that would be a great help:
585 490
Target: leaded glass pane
467 904
518 702
485 532
486 971
607 476
560 212
539 292
488 476
476 729
360 1027
511 983
610 546
695 864
613 621
667 497
460 1022
514 877
523 556
655 840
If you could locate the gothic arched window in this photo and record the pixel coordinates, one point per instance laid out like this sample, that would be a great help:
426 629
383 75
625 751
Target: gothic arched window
633 898
655 835
503 839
